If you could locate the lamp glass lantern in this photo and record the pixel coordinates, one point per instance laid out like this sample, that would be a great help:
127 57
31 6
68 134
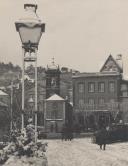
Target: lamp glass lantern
30 27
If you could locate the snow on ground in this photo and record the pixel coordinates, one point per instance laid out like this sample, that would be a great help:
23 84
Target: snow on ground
81 152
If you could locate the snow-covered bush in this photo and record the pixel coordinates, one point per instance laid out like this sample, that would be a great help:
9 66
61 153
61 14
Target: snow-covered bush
22 150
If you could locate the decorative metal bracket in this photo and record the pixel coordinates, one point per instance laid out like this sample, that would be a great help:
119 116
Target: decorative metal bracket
30 47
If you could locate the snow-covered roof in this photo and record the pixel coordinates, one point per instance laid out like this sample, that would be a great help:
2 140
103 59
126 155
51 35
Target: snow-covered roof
71 103
125 77
3 104
3 93
55 97
2 88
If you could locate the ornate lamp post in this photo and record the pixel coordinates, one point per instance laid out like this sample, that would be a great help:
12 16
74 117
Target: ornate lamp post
30 29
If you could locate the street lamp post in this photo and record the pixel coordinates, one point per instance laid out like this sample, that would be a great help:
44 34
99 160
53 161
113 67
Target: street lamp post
11 126
30 29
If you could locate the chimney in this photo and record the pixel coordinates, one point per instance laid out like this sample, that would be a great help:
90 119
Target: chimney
119 61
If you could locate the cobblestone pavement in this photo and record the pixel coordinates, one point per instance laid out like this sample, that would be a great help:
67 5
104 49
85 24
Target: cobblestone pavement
81 152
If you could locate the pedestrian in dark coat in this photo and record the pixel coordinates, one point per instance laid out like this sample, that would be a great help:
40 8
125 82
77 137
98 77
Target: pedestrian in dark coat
102 138
63 132
70 133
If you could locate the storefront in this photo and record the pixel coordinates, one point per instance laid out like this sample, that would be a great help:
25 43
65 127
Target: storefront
93 120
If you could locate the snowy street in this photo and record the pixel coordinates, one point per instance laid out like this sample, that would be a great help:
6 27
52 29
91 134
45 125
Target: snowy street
81 152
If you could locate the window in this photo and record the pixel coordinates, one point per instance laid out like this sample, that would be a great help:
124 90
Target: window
54 106
111 86
81 101
91 101
81 104
54 112
113 104
124 94
81 88
101 101
53 82
112 100
101 87
124 87
91 87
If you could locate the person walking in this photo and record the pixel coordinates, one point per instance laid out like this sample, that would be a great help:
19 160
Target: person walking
63 132
70 133
102 138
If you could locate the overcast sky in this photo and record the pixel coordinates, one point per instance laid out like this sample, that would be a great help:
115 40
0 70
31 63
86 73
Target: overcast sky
80 34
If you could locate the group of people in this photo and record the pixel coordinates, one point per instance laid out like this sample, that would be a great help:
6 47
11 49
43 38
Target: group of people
67 132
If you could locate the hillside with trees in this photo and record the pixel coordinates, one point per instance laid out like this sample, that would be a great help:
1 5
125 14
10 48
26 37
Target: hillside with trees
8 72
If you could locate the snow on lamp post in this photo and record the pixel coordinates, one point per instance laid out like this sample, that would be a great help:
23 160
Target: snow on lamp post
30 29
